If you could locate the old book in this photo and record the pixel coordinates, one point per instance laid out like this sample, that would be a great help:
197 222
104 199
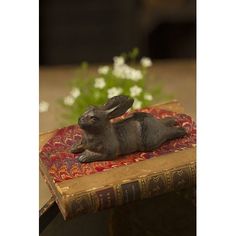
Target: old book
83 188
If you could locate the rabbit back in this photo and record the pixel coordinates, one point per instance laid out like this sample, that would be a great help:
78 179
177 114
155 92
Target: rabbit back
144 132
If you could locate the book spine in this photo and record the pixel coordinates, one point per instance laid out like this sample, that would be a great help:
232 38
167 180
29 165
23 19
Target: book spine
133 190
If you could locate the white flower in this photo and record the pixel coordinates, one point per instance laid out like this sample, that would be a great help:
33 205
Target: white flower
118 61
114 91
146 62
135 91
119 71
99 83
126 72
103 70
69 100
43 106
75 92
148 97
137 104
135 75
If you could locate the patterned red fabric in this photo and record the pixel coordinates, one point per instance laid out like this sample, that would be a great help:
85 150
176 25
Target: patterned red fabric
62 164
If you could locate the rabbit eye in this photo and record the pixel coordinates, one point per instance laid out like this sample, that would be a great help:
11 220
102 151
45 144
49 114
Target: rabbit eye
94 118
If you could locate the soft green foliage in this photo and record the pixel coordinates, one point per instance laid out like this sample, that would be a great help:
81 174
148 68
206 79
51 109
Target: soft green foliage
119 78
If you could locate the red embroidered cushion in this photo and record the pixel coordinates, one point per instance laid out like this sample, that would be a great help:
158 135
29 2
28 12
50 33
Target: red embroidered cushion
62 164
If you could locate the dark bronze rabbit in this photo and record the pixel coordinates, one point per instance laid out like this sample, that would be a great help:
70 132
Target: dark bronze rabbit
103 140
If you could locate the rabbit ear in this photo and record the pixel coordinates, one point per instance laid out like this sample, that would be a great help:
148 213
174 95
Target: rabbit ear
118 105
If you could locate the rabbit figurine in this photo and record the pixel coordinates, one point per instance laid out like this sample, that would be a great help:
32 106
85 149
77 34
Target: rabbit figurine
140 132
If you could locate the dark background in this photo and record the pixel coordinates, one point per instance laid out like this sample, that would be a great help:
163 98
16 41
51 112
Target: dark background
95 31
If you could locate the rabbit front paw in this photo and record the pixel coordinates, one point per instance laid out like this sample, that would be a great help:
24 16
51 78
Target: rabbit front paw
83 158
88 156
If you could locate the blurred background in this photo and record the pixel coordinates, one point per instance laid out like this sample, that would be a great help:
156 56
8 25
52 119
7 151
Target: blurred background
75 31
